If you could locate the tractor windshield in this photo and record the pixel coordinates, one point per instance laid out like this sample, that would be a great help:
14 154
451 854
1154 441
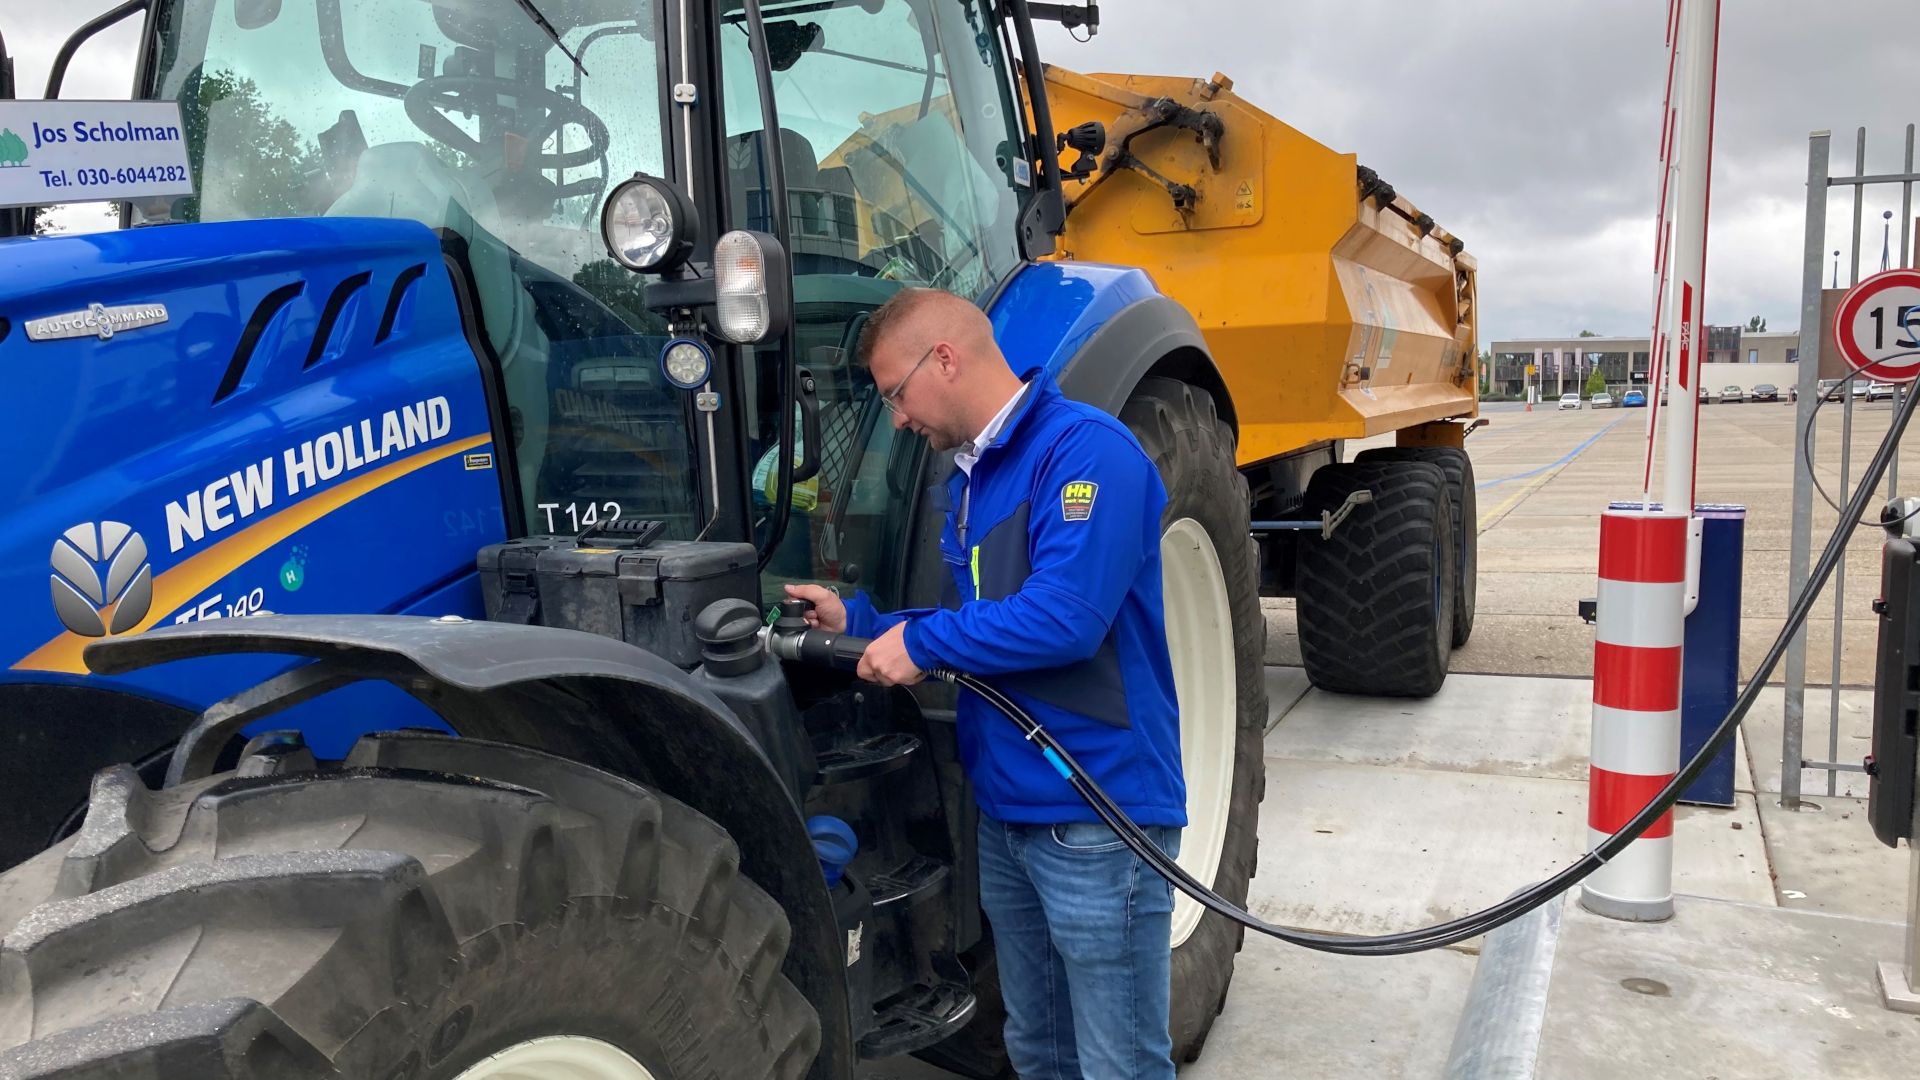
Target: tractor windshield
465 115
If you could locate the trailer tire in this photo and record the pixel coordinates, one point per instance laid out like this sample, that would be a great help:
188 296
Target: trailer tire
431 909
1375 599
1458 468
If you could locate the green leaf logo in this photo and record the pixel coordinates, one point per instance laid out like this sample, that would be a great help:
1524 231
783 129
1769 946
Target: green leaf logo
13 149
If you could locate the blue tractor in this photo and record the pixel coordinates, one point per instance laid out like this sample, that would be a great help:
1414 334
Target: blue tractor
394 524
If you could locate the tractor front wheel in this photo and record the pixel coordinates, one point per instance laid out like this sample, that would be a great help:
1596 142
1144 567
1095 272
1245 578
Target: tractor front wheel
433 909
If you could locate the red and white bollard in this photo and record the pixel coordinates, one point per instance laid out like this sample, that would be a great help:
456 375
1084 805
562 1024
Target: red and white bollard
1639 629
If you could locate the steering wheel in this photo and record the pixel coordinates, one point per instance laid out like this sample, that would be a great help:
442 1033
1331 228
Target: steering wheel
539 114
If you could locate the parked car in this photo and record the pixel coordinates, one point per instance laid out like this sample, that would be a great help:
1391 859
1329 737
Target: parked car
1879 391
1830 389
1860 388
1732 395
1766 391
1633 399
1601 400
1706 396
1570 401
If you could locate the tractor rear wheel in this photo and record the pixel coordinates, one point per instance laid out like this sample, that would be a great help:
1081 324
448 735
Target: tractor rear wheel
1216 639
1458 468
433 909
1375 599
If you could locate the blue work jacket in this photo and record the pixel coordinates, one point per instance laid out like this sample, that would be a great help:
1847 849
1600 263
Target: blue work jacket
1053 550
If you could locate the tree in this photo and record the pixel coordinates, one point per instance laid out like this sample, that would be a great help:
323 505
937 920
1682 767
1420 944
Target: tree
265 162
1588 333
1757 325
45 223
13 149
622 291
1596 383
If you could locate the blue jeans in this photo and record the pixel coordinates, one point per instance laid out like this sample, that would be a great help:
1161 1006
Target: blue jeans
1082 932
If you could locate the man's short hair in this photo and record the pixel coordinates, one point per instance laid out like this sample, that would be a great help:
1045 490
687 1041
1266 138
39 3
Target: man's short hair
898 310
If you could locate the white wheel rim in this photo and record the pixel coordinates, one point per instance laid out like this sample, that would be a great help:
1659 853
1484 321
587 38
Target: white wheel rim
559 1057
1200 643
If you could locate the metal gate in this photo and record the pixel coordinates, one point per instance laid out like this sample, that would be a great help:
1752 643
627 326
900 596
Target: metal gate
1814 342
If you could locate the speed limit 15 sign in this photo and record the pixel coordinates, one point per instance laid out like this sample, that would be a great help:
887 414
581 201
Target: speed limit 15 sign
1877 326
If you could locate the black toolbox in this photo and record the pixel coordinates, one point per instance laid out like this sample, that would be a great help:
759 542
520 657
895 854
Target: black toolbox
619 581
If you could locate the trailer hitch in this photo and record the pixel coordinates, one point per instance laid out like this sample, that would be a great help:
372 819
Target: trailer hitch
1329 519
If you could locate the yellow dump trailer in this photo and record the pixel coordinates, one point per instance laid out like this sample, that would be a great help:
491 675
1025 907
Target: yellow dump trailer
1334 309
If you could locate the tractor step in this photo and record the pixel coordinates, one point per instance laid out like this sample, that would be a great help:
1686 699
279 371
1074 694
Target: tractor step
865 758
923 1016
910 882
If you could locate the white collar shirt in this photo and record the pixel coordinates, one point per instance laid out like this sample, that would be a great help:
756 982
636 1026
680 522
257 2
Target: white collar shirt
970 453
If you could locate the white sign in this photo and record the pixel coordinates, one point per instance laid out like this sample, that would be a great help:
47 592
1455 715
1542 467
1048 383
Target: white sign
1878 326
91 151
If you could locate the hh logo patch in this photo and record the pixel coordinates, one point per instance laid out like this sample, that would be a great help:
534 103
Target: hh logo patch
1076 500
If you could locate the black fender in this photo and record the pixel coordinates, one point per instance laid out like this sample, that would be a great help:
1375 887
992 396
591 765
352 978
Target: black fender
1151 336
577 695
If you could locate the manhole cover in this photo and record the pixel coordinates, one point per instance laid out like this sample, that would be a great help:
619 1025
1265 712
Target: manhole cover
1649 987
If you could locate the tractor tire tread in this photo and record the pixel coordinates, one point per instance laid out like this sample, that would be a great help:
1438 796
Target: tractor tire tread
320 923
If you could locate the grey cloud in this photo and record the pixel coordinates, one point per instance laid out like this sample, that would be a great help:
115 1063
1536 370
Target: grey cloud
1531 128
1528 128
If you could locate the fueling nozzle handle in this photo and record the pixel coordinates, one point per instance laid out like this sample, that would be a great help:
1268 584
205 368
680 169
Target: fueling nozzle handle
793 639
832 650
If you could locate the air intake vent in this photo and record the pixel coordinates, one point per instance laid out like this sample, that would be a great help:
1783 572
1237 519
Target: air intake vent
250 337
407 277
341 294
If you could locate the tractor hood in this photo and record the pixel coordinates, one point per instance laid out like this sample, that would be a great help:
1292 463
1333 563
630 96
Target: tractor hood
222 420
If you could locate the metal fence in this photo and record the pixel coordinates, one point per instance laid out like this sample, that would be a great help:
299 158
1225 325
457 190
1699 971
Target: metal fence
1814 342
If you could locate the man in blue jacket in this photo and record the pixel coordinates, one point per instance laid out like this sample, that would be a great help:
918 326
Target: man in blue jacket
1052 542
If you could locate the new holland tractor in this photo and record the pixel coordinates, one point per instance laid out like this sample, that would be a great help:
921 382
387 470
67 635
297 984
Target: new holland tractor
395 527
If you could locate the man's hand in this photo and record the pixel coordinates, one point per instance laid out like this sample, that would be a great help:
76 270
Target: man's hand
828 612
886 661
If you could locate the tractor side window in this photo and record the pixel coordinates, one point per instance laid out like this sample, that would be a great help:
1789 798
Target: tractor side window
897 135
898 141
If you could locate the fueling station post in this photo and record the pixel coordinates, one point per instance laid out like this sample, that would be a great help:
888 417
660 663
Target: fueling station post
1646 574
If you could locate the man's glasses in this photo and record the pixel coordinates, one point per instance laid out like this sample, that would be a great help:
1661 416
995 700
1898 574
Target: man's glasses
892 397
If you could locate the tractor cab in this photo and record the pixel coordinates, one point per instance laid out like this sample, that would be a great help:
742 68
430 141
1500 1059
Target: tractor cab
507 126
461 283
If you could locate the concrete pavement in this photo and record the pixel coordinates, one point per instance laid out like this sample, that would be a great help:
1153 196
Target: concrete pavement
1387 814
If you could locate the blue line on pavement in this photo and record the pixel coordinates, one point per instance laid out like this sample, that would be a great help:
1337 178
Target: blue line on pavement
1571 454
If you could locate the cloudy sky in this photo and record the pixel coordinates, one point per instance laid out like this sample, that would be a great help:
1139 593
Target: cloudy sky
1529 128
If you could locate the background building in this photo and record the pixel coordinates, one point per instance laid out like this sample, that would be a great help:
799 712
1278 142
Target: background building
1565 362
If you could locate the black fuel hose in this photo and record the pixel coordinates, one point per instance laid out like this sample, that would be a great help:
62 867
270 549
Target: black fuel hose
841 651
